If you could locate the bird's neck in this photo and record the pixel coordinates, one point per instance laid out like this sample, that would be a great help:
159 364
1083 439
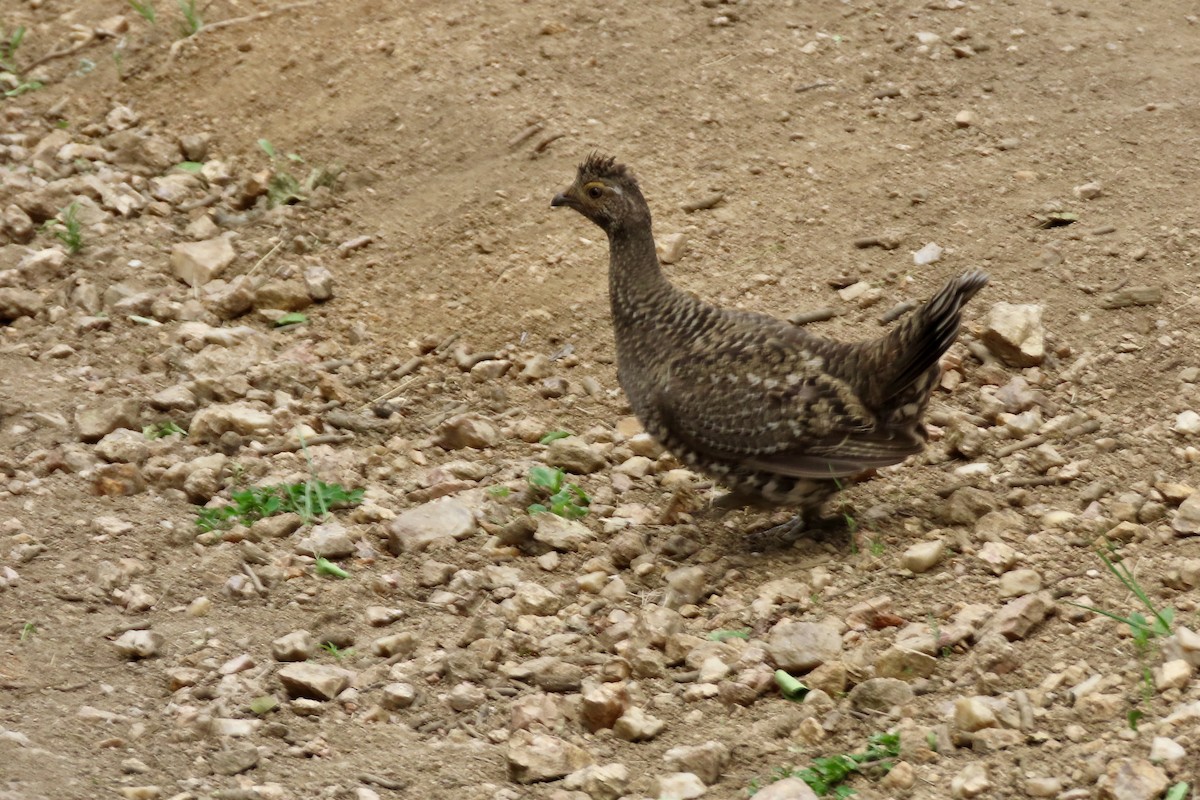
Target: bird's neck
635 279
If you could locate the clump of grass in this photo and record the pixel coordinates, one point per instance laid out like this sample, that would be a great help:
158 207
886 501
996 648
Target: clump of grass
161 430
8 50
284 188
1142 628
67 228
28 630
326 567
337 652
145 10
312 500
565 499
191 23
827 776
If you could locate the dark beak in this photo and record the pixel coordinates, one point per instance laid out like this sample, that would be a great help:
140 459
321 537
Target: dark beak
562 199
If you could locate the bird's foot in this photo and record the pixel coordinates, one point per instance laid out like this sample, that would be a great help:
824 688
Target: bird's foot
814 527
779 536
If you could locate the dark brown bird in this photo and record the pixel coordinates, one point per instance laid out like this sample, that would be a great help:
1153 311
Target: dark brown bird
771 411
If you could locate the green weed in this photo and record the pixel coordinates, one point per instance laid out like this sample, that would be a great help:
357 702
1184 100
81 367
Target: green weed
553 435
145 10
192 23
326 567
827 775
161 430
335 651
1143 629
284 188
312 500
565 499
8 50
28 630
67 228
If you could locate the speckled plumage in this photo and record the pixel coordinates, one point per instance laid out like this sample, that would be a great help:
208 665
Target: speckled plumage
764 407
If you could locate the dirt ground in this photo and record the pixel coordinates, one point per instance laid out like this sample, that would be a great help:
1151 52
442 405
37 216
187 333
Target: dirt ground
983 126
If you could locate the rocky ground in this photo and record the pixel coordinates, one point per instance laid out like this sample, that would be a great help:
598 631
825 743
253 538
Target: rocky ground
379 298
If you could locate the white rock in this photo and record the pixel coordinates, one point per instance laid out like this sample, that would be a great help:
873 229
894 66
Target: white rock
1089 191
139 644
1165 751
928 254
671 247
1187 423
1187 517
786 789
438 522
537 757
1174 674
561 534
295 646
314 681
973 713
242 418
971 781
800 646
328 540
197 263
1015 335
707 761
636 725
680 786
923 556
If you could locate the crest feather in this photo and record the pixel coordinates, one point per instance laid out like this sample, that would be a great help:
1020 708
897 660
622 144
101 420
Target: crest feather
598 166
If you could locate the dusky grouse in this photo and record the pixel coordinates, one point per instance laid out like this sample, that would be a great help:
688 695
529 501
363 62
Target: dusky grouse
771 411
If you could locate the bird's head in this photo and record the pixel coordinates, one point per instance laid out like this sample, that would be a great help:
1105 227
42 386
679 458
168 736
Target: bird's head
606 193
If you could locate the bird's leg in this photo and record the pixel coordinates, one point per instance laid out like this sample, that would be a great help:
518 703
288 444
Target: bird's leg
778 536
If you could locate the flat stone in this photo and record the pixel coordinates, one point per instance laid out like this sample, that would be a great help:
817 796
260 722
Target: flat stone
197 263
607 782
707 761
1187 517
1018 617
1014 333
95 422
536 757
635 725
16 304
327 540
798 647
680 786
241 418
314 681
923 556
466 430
178 397
880 694
235 760
1132 779
283 295
904 664
1020 582
971 781
439 522
139 644
295 646
786 789
573 454
562 534
123 445
602 704
973 713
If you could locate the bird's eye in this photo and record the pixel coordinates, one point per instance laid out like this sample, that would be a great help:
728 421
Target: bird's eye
595 192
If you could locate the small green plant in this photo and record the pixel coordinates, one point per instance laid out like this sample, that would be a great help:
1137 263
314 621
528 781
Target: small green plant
145 10
192 23
553 435
8 50
284 188
161 430
326 567
312 500
293 318
499 492
1178 792
23 87
263 704
876 546
67 228
1143 629
28 630
724 636
335 651
1132 718
827 775
565 500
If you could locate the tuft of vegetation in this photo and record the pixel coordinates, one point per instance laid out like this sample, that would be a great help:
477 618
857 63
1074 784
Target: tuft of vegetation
284 188
28 630
145 10
1178 792
1142 628
67 228
326 567
263 704
335 651
827 776
161 430
565 499
312 500
724 636
553 436
8 50
192 23
291 318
